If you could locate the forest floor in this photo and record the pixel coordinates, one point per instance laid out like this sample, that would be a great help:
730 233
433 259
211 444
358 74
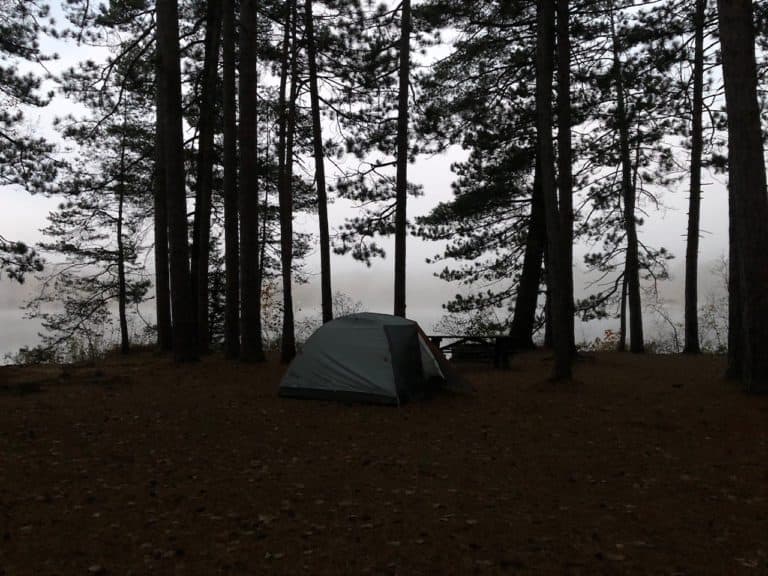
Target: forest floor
643 465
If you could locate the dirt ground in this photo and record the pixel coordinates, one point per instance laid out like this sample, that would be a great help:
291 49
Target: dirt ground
645 465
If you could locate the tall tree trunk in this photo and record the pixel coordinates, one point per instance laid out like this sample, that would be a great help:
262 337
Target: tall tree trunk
231 240
555 257
622 344
184 329
527 300
747 186
632 267
201 237
549 339
282 136
565 169
317 145
401 195
694 202
122 293
251 346
162 272
287 136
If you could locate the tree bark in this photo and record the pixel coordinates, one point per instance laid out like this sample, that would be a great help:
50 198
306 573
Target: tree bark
632 267
747 186
401 193
317 145
287 135
565 169
184 329
555 257
251 346
622 344
201 236
162 272
527 299
694 202
231 239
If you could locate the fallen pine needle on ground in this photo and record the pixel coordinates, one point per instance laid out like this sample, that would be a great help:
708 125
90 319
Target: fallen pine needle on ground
642 465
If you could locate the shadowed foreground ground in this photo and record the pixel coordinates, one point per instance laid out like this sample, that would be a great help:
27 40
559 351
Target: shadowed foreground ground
645 466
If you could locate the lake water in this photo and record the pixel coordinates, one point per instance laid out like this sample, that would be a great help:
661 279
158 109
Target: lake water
16 331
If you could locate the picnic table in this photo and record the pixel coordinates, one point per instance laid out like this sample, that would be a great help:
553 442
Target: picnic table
472 347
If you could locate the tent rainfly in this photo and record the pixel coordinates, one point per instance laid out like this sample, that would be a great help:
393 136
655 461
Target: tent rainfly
367 358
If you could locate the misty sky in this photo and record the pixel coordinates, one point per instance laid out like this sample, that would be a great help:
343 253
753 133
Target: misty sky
22 216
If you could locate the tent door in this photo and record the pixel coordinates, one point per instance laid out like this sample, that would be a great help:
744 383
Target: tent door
406 360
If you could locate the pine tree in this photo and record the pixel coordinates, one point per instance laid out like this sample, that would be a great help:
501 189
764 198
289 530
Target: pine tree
627 150
366 101
98 228
251 345
25 160
565 163
481 96
629 196
231 236
287 123
128 30
526 303
747 189
556 258
17 259
205 159
694 207
185 346
401 184
319 154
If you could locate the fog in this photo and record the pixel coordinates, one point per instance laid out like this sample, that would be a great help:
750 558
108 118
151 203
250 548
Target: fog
22 216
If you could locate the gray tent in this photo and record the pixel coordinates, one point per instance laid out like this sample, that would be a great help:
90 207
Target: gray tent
366 357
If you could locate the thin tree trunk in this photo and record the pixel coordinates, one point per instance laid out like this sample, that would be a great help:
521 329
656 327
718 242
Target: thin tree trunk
231 240
122 296
287 135
282 136
565 169
549 339
317 145
622 344
527 300
694 202
184 329
201 237
747 187
555 258
401 193
251 346
162 272
632 267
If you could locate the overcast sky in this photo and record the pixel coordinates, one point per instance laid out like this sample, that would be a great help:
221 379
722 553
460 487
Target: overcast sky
22 216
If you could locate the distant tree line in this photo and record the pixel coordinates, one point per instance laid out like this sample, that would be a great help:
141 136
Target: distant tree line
574 116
